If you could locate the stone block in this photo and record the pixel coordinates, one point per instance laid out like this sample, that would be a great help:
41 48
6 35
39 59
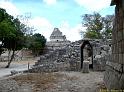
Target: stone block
120 59
121 19
115 57
121 81
113 79
117 26
115 38
119 35
122 34
123 58
119 47
122 46
115 48
85 67
123 30
111 58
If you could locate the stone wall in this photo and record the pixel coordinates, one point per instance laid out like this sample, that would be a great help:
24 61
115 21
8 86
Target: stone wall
99 61
114 75
57 44
69 58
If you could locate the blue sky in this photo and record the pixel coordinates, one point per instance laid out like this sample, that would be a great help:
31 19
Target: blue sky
64 14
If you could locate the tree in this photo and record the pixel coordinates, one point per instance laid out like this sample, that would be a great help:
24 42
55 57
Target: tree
36 43
11 33
108 25
97 26
94 24
14 34
91 34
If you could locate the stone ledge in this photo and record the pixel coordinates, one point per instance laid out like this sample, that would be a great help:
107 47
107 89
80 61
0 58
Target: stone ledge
116 66
113 79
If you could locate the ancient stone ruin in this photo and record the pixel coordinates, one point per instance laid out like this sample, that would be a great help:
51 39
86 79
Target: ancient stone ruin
57 40
64 55
114 75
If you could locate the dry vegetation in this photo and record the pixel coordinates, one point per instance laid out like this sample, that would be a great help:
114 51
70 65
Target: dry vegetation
57 82
39 81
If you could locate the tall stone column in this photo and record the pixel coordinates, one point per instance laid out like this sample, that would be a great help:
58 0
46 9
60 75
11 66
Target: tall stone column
114 74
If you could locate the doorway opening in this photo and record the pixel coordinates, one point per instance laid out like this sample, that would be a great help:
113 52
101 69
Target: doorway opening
87 53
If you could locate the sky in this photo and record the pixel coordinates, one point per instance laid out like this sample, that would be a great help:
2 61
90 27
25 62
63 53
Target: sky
45 15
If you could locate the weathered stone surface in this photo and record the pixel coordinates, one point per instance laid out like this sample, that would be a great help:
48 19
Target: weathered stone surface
99 62
63 56
57 35
85 67
13 72
114 74
113 78
69 58
57 40
7 85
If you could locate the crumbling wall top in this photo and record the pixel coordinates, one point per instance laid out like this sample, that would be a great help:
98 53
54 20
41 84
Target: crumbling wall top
114 2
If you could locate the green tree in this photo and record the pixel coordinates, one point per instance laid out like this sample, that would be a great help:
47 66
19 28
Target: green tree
108 25
91 34
94 25
11 33
97 26
36 43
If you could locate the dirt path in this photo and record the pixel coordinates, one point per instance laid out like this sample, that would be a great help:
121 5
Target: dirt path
16 65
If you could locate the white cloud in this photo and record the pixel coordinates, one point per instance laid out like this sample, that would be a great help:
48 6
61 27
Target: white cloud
94 5
42 26
72 33
10 8
50 2
45 28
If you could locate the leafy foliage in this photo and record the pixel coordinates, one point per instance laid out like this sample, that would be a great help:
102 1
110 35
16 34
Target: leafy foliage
91 34
108 25
36 43
97 26
11 33
14 36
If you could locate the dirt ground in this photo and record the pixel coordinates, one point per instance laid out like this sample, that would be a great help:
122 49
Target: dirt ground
60 82
50 82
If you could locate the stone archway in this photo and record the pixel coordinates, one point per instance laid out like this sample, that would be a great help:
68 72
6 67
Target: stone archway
87 46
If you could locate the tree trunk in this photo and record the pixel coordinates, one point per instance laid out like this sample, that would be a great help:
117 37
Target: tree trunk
9 53
9 62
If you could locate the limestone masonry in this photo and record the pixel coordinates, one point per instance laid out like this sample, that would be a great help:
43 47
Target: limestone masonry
57 40
114 75
69 58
